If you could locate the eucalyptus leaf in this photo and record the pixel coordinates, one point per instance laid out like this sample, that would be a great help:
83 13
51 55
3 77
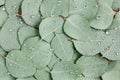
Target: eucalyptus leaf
92 66
62 47
104 16
66 70
49 26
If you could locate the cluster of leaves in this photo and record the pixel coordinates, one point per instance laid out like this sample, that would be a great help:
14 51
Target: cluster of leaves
59 40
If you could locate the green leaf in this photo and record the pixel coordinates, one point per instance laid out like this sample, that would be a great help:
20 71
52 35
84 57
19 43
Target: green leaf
62 47
104 16
55 8
78 28
8 33
49 26
38 51
26 32
28 78
66 71
43 74
86 8
31 10
94 46
92 66
113 52
111 75
12 6
18 64
3 15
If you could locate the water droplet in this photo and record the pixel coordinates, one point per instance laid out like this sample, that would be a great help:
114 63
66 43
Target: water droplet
7 73
17 59
98 17
20 22
75 7
59 1
96 6
24 44
74 0
107 32
10 64
32 16
10 30
14 7
99 42
51 49
34 65
115 28
85 6
52 15
79 75
117 54
3 8
71 72
38 15
58 4
11 55
113 40
31 48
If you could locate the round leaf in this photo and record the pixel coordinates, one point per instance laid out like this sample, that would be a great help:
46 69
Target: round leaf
31 10
18 64
38 51
78 28
92 66
104 16
66 71
49 26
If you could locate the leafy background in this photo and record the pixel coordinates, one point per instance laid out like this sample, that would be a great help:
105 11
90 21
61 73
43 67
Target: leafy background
59 40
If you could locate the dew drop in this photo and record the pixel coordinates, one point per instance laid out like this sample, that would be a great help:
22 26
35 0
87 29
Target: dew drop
38 15
85 6
32 16
51 49
59 1
79 75
52 15
71 72
98 17
10 30
10 64
99 42
11 55
115 28
24 44
107 32
31 48
117 54
17 59
96 6
20 22
113 40
75 7
14 7
3 8
74 0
